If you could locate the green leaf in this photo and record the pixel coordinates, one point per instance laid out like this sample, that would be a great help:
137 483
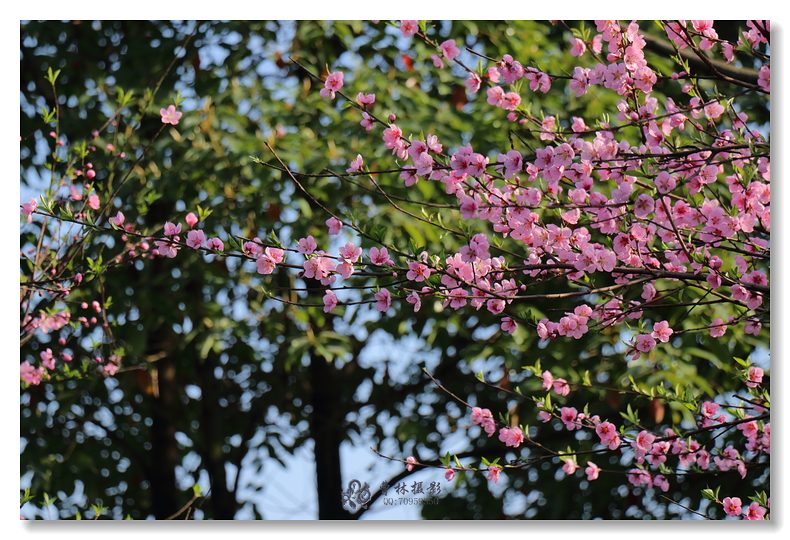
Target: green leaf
52 76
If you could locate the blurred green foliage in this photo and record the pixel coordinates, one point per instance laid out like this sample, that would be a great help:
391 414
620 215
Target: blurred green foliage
216 373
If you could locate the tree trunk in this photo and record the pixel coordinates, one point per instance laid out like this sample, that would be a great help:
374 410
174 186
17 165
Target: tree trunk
222 500
326 425
164 452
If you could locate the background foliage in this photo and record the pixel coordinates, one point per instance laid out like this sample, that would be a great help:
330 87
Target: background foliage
217 376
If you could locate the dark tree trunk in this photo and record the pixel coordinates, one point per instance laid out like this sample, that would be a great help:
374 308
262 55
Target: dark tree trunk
164 452
326 425
222 500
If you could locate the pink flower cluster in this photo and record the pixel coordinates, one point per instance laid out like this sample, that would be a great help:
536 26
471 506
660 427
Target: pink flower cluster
484 419
734 507
512 436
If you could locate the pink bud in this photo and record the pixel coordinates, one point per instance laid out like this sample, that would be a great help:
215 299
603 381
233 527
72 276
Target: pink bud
191 220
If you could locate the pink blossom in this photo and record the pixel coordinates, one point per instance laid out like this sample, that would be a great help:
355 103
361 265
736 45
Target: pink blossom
710 409
215 243
380 257
275 254
414 299
643 444
449 49
392 136
170 115
332 84
728 50
764 78
662 332
457 298
485 419
569 417
713 110
110 369
47 359
93 201
561 387
569 466
418 272
665 182
366 100
752 326
171 229
547 128
755 512
423 164
166 249
367 121
345 269
383 300
718 328
29 374
645 343
478 414
265 265
350 252
639 477
508 325
472 83
749 429
592 470
433 144
334 226
580 81
495 95
661 482
28 208
732 506
538 81
306 246
449 474
355 165
755 377
494 472
510 70
117 220
196 239
643 206
513 436
577 47
320 268
409 28
511 162
548 380
330 301
607 432
411 461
